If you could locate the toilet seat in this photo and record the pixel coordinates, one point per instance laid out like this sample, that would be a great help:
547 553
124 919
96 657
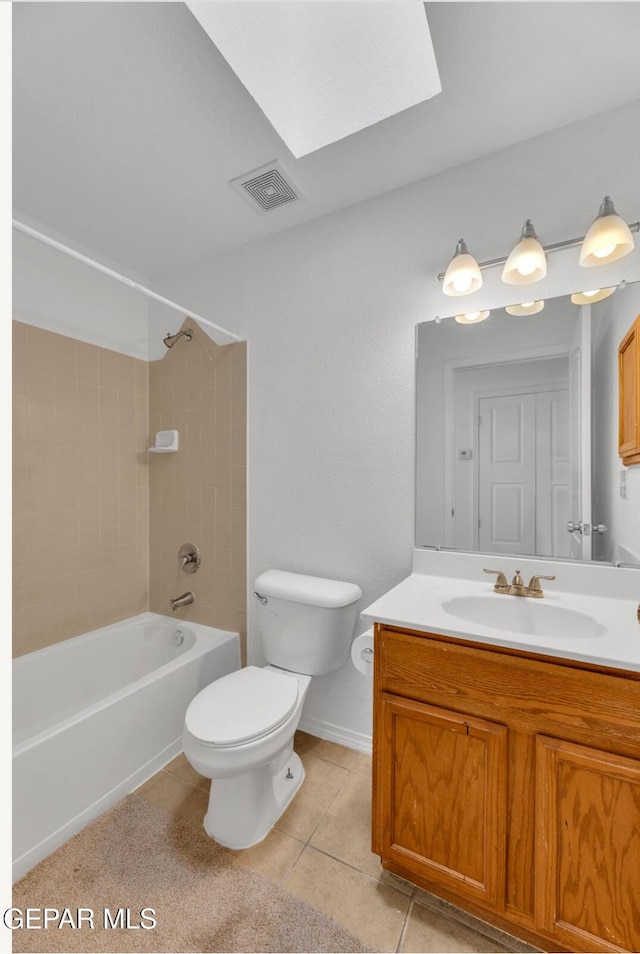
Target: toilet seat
241 707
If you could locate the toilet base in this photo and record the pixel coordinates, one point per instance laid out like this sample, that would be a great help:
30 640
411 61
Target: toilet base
244 808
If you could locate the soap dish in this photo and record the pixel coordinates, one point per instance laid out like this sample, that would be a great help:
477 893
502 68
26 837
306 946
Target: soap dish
166 443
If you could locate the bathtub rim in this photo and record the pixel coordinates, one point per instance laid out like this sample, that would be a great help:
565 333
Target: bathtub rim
201 631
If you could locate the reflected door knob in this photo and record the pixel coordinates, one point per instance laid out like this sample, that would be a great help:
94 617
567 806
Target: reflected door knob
599 528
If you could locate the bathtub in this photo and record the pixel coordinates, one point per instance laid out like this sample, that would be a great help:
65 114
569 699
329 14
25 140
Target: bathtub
95 716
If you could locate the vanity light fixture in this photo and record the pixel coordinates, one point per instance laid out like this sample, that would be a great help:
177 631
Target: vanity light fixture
527 261
463 273
526 308
472 317
608 239
588 297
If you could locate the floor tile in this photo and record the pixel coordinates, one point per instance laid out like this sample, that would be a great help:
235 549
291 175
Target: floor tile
322 783
345 831
174 795
445 908
181 767
274 857
332 752
374 912
427 931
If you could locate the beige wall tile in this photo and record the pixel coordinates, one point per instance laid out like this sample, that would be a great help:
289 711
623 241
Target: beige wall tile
65 496
93 500
190 494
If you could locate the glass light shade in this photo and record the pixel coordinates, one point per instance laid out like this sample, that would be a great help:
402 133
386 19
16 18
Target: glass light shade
527 261
472 317
526 308
463 273
588 297
608 239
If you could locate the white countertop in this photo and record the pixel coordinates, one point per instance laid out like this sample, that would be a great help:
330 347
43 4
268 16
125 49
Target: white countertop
417 603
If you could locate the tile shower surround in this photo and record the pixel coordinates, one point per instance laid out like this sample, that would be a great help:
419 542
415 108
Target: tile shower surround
88 501
199 493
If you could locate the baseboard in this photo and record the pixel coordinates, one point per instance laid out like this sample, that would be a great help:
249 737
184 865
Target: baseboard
336 733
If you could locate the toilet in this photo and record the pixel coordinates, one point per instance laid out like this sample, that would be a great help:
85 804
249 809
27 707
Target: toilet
238 731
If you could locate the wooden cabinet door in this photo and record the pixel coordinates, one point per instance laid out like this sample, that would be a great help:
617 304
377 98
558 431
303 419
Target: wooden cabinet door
629 396
587 847
441 806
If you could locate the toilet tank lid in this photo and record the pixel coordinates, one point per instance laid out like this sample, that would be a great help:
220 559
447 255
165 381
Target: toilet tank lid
313 590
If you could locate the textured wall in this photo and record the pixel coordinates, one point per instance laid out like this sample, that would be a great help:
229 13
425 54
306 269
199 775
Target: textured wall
330 310
198 494
80 521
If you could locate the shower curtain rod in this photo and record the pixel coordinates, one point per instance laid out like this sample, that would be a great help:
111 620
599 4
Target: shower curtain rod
41 237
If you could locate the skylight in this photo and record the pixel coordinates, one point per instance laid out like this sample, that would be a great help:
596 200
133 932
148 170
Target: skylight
321 70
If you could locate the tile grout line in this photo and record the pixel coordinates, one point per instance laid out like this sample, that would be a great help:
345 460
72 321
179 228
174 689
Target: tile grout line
405 923
322 817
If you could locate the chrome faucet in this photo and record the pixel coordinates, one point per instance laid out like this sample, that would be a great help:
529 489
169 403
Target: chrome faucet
517 587
185 600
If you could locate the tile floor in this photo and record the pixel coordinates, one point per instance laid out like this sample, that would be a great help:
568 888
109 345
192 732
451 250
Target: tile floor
319 851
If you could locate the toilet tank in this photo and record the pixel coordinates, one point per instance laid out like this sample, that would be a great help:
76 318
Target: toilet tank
306 622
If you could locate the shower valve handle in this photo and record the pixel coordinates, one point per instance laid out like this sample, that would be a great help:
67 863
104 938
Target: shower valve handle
189 557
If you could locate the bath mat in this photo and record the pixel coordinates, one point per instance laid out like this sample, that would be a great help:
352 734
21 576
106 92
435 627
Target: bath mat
136 865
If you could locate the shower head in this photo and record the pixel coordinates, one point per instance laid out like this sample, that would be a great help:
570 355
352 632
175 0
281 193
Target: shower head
170 340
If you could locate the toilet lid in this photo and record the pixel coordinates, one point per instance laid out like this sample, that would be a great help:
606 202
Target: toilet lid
242 706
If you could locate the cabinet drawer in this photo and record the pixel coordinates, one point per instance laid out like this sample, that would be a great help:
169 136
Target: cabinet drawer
593 707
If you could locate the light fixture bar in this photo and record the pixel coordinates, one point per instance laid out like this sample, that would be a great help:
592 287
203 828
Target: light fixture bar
71 252
569 243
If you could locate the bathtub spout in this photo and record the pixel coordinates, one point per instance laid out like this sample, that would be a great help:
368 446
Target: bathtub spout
185 600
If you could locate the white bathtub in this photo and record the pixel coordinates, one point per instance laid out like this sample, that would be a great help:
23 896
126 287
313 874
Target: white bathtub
95 716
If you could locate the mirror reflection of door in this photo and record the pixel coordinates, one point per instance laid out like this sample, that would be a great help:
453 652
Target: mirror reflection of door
523 473
511 468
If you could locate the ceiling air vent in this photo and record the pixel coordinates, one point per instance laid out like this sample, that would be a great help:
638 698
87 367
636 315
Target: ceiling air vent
267 188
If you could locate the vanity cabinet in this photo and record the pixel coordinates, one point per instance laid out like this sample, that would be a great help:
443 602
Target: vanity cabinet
509 784
629 395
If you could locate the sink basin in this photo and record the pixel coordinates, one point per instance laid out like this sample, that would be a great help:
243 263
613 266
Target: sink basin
524 615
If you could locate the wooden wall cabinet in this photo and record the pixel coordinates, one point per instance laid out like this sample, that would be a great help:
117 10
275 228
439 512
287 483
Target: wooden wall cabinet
509 784
629 396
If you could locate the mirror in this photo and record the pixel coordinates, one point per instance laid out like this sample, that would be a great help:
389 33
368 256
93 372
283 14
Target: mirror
516 434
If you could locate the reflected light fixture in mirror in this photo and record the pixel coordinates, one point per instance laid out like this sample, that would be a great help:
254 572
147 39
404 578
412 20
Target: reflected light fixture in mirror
526 308
590 297
463 273
515 385
527 262
609 238
472 317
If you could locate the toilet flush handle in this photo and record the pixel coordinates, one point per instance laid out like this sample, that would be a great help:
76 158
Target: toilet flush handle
263 599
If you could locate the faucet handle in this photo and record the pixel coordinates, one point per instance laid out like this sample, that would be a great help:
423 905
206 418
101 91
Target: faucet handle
534 584
501 585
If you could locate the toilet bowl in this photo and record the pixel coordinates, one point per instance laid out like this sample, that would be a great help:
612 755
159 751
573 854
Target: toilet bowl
239 730
239 733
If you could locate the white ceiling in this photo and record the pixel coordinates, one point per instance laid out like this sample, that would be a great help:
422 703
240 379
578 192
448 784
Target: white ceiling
129 124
